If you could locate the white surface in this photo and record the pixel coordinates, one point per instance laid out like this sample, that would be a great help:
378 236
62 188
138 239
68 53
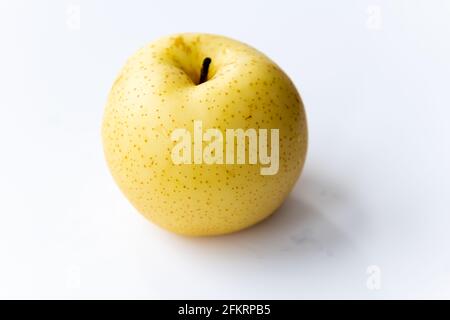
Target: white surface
375 191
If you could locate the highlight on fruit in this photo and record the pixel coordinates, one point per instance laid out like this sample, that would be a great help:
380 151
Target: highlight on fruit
213 153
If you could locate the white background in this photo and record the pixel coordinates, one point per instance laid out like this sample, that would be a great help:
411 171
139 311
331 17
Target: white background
375 191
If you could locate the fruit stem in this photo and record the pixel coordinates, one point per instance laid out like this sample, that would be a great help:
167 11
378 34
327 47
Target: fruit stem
204 71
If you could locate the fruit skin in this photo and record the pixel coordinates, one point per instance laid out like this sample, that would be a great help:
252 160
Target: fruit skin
156 92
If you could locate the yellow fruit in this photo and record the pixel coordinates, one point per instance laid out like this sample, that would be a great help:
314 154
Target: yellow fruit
158 91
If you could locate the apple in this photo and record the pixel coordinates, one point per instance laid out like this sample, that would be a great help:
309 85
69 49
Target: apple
183 94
